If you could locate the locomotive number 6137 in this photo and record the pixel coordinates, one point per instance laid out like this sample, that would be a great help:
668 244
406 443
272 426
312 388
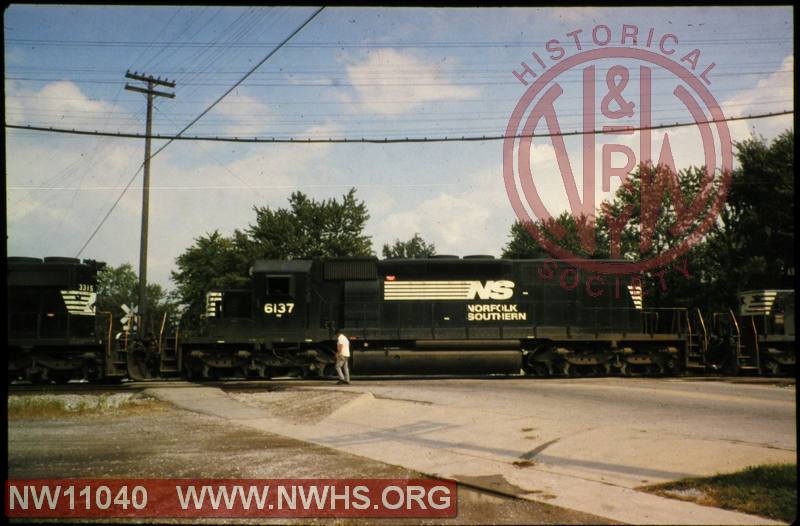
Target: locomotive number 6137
278 309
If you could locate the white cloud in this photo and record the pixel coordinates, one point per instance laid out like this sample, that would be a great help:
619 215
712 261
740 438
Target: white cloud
62 104
195 188
473 217
243 115
773 93
390 82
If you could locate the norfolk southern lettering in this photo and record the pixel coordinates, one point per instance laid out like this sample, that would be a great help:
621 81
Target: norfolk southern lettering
495 312
461 290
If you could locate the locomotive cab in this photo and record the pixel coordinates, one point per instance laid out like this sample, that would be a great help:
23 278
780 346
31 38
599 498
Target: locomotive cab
280 290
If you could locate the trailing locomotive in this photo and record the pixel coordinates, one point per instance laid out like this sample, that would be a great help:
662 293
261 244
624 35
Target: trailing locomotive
476 315
759 338
52 322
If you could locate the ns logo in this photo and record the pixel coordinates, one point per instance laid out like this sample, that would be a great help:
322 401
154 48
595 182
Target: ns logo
492 290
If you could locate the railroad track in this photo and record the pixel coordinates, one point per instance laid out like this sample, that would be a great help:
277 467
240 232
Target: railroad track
89 388
293 383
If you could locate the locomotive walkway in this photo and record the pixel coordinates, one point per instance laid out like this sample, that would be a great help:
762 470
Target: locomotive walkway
579 444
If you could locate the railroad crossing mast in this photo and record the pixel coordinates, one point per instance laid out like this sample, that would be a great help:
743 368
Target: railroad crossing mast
151 93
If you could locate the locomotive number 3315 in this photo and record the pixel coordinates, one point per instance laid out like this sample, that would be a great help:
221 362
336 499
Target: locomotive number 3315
278 309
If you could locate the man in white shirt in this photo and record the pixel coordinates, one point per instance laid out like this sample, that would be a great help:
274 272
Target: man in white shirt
342 356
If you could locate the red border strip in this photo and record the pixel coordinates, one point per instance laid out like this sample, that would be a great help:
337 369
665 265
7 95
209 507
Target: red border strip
117 498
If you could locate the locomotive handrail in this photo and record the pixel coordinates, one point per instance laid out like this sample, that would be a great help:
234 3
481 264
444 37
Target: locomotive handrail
735 324
703 326
738 336
178 350
755 340
161 333
108 337
689 338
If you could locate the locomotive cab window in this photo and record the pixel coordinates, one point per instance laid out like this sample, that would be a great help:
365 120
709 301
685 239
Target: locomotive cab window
280 286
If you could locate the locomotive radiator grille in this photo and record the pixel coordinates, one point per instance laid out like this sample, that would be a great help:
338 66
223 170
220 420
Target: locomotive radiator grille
427 290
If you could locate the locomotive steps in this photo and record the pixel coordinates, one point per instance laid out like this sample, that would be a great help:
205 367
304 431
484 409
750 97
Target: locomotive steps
582 445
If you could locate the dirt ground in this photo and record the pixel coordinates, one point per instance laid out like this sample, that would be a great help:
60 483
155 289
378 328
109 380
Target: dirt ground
155 440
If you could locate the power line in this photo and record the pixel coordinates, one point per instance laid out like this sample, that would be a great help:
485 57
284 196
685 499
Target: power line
105 217
395 44
310 68
333 82
384 140
90 117
180 133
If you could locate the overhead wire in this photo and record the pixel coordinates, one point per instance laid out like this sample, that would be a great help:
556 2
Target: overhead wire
395 44
387 140
333 82
180 133
396 117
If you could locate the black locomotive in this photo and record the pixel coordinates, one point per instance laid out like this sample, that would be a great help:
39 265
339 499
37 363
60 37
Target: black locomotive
53 331
471 315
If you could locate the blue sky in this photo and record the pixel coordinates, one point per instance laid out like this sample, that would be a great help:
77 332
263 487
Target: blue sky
352 72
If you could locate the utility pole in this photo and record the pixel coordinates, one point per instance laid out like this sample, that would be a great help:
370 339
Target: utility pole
151 93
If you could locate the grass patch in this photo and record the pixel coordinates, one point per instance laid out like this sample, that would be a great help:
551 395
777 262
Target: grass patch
56 406
768 490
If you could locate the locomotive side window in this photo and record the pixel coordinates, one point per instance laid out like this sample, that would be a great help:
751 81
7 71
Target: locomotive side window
279 286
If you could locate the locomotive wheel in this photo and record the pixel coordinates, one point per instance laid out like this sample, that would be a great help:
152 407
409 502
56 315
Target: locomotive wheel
538 369
59 377
211 373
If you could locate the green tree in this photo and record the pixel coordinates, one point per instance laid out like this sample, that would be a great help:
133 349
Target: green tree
651 213
750 245
579 236
308 229
522 244
754 244
653 210
213 262
416 247
120 285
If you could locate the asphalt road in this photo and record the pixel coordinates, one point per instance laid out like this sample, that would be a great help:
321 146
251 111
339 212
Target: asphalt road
759 414
584 444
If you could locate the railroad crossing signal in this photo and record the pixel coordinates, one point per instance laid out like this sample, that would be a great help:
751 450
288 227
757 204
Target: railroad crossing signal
130 318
